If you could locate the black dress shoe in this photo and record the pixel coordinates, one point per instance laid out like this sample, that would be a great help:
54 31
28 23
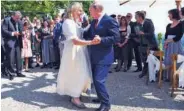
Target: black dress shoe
50 66
138 70
44 66
142 75
125 69
116 67
167 80
3 72
152 81
103 108
110 71
96 100
20 75
12 73
11 77
31 67
37 65
118 70
56 67
128 68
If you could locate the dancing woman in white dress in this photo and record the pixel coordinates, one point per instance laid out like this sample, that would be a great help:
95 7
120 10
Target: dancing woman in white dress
74 75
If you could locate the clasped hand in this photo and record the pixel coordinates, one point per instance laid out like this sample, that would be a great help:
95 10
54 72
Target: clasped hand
141 33
96 40
167 42
16 33
120 45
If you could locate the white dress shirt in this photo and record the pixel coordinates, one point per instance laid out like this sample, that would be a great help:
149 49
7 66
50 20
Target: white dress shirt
128 31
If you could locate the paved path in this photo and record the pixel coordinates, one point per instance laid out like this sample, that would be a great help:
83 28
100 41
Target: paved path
36 92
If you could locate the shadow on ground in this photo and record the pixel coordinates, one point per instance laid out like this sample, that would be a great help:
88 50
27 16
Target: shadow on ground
125 90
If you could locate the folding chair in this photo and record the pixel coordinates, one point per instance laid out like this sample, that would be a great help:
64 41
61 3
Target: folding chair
175 74
159 54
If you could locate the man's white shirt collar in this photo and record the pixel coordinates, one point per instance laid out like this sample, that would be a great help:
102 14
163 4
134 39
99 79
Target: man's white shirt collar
142 23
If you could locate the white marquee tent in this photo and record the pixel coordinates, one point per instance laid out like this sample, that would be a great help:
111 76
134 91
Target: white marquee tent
158 12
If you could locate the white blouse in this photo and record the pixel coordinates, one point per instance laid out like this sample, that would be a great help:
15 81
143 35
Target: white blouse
128 31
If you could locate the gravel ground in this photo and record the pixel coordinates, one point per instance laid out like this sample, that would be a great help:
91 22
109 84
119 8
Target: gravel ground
36 92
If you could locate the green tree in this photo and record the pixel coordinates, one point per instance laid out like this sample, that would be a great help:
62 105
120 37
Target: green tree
34 8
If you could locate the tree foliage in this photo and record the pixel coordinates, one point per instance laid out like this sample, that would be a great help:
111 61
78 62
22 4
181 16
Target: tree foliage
35 8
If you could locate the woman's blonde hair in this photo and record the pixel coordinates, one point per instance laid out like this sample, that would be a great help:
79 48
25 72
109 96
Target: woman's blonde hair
72 7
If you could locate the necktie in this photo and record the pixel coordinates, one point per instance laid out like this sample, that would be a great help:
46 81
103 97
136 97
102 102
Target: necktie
96 23
17 29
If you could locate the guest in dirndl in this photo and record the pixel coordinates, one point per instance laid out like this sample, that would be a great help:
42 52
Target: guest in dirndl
37 44
123 46
46 36
51 45
173 35
26 50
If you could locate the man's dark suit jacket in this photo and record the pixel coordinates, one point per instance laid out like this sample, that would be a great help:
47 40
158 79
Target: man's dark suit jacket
149 33
8 26
108 30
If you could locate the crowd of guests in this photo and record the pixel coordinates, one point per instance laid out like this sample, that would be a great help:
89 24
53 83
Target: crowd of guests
39 42
138 36
27 44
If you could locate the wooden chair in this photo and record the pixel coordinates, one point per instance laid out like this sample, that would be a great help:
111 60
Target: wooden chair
159 54
175 74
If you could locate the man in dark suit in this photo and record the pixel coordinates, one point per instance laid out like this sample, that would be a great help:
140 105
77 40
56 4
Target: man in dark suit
11 31
134 45
3 72
147 19
105 31
182 17
57 36
130 51
147 39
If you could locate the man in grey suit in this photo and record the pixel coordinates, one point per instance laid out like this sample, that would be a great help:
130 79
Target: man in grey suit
11 31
